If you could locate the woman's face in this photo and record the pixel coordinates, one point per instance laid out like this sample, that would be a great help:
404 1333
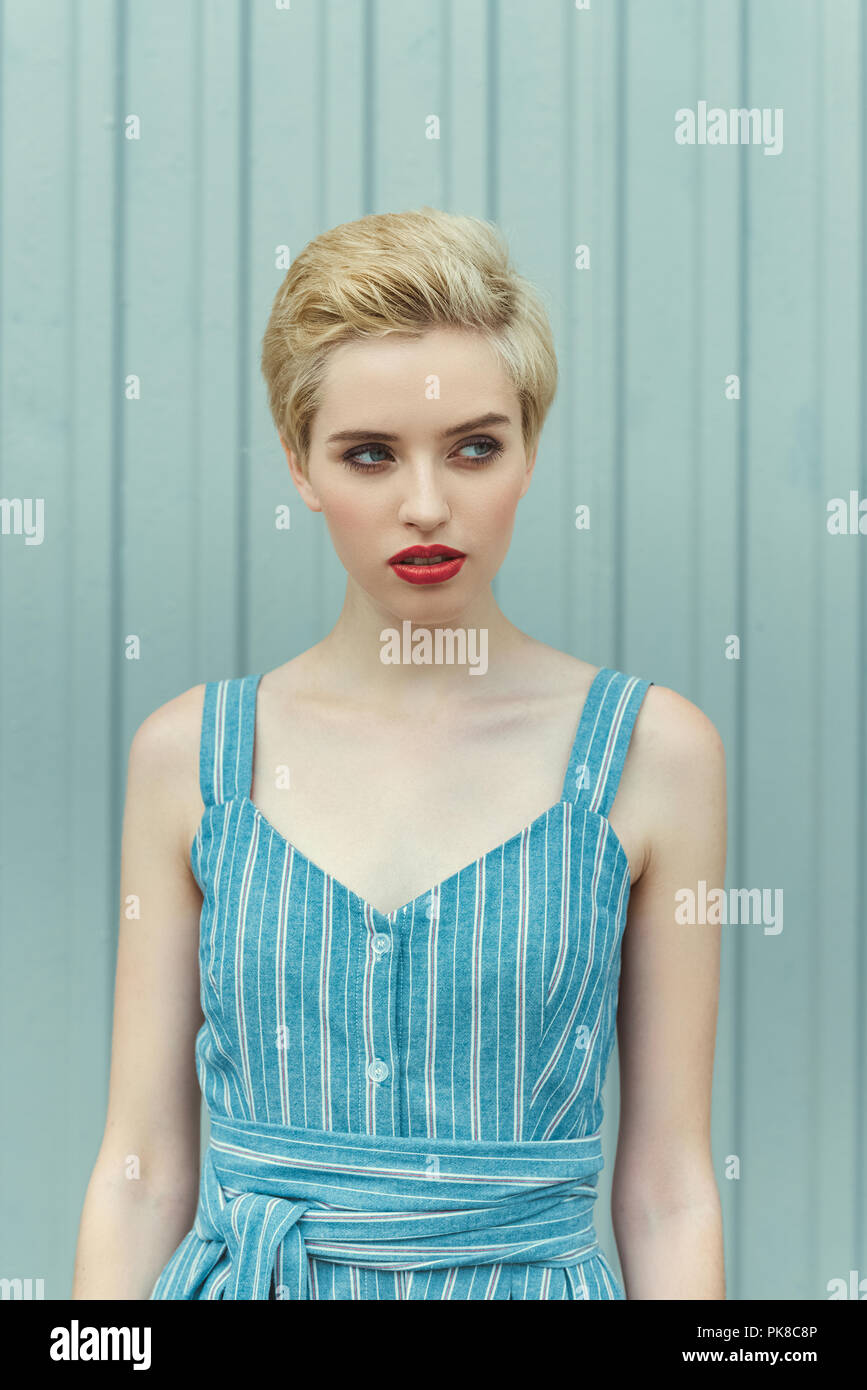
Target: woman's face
417 442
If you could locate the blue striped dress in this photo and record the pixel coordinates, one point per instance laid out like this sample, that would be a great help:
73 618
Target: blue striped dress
405 1105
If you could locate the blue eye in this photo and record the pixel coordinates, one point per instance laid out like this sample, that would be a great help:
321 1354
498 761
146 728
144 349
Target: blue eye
354 458
494 448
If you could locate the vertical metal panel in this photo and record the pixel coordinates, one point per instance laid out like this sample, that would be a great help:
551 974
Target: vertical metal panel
85 704
530 208
262 126
215 469
285 157
780 750
593 48
834 933
716 496
55 344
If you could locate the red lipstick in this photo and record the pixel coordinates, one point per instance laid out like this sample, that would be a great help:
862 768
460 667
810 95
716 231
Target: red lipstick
410 564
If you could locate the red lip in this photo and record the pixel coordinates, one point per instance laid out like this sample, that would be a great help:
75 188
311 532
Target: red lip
436 573
424 552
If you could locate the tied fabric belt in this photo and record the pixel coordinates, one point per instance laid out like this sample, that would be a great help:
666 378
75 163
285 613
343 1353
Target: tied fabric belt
381 1202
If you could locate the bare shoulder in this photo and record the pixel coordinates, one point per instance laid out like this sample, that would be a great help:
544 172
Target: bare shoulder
675 767
163 769
672 735
171 733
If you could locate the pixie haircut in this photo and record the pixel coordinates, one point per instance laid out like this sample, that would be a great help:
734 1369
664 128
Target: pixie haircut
406 273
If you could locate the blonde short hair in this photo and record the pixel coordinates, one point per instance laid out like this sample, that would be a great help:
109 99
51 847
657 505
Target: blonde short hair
403 272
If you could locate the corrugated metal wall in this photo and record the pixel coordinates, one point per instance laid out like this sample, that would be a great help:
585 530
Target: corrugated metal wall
156 258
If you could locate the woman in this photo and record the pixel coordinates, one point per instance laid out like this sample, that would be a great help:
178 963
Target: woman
385 904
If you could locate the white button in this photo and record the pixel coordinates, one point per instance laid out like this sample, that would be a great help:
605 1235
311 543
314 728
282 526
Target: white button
377 1070
381 943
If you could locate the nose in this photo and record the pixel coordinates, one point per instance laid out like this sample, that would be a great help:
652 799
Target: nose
423 501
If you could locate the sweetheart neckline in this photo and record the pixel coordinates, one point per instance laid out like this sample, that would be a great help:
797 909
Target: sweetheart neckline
392 916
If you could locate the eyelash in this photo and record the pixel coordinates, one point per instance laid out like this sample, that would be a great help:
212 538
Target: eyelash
351 462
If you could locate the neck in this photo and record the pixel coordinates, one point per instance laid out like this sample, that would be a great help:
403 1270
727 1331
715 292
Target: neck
374 652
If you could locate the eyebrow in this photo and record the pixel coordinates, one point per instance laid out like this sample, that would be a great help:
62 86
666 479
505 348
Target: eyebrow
492 418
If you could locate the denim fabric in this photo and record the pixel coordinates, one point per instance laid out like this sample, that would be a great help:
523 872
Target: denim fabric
405 1105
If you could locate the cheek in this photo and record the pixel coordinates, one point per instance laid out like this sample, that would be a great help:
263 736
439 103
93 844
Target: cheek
351 517
494 513
342 510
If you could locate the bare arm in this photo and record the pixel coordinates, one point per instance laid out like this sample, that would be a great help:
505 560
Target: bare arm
142 1193
665 1203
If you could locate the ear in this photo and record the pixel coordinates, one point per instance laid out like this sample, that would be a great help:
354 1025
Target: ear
531 464
308 496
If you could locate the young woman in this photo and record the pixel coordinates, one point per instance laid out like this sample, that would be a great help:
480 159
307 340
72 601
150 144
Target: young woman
394 909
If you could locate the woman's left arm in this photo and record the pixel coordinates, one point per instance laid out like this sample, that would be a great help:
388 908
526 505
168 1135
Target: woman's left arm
665 1203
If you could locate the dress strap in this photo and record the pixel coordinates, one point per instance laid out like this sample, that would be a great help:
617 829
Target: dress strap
226 747
602 740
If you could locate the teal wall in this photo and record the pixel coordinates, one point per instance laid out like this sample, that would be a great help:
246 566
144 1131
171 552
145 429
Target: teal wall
259 128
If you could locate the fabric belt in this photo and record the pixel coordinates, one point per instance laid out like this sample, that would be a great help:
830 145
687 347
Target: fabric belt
386 1202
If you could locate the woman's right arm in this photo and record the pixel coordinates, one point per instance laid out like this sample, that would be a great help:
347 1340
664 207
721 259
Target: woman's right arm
142 1194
